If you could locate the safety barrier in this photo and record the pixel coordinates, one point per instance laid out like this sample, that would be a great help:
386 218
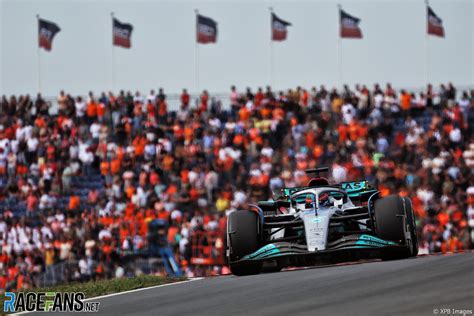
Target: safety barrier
208 248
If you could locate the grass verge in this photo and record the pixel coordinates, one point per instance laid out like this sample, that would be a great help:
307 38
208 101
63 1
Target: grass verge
104 287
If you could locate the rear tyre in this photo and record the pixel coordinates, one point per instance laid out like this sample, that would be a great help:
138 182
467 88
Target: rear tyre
243 238
389 219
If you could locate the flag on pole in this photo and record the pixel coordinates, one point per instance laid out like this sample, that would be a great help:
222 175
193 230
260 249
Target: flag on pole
279 31
349 25
122 33
435 24
206 30
46 32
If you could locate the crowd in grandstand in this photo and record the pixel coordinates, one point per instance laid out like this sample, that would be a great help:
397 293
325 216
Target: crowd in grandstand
82 186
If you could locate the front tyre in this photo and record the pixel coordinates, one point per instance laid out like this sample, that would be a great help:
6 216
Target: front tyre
395 222
411 223
243 238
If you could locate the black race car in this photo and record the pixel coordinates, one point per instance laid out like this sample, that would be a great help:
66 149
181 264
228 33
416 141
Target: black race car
320 223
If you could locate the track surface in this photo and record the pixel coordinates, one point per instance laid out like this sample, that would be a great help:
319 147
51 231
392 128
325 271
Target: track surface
411 287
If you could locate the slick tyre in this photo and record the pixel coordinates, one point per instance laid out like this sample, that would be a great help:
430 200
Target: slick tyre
389 219
243 237
411 222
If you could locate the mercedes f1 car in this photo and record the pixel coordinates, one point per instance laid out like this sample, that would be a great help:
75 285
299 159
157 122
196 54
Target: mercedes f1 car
320 223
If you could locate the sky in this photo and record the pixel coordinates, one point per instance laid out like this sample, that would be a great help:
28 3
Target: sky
164 53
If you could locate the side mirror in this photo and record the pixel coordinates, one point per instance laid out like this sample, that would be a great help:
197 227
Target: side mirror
272 205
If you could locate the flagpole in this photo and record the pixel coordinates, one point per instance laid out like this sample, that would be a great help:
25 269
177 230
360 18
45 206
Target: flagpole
427 50
339 48
272 64
113 54
272 54
39 58
196 55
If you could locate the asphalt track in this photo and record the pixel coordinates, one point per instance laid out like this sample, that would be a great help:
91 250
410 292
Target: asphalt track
414 286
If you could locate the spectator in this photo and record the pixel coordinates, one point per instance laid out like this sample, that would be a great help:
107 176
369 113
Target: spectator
84 186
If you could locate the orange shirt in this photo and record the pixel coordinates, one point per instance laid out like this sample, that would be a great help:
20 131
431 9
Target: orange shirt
193 194
100 109
168 162
50 151
172 189
363 131
12 273
150 108
74 202
139 143
3 282
129 210
149 215
120 153
228 163
40 122
104 168
353 131
142 228
305 98
318 151
107 249
115 166
405 101
163 215
443 218
184 176
162 108
91 109
384 191
258 98
244 114
21 169
342 129
238 139
188 133
129 191
310 139
172 231
124 233
265 112
185 99
20 282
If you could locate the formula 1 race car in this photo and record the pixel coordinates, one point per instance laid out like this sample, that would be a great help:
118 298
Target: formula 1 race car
320 223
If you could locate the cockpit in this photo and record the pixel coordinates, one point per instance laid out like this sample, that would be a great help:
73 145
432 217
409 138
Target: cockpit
319 199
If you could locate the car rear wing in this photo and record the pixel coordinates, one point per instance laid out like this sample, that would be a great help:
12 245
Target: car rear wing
355 186
355 189
359 190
